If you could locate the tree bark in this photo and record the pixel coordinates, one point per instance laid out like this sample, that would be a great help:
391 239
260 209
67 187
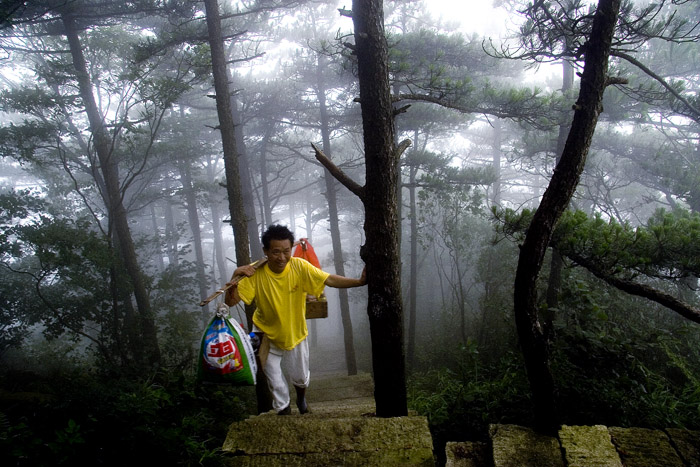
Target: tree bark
381 249
115 206
228 137
554 201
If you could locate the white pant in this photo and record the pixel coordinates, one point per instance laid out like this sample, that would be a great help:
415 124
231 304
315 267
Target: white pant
296 363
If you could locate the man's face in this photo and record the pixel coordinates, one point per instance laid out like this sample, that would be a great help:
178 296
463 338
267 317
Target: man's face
278 255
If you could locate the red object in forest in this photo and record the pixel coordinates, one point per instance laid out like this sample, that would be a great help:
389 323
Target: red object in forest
306 251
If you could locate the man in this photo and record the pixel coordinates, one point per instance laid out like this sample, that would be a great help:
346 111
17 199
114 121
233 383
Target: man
279 289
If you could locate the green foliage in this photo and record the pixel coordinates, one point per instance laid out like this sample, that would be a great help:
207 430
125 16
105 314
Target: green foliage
668 247
21 141
617 362
58 272
463 395
74 416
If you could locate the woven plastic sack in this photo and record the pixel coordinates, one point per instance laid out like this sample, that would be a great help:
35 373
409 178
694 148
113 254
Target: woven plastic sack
226 353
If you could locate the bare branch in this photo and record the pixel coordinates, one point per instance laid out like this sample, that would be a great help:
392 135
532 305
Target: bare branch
338 174
401 110
403 145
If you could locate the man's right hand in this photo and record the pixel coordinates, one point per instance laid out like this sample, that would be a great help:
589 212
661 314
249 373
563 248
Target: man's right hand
245 270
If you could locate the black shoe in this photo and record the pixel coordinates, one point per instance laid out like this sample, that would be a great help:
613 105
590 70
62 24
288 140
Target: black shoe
285 411
301 400
303 407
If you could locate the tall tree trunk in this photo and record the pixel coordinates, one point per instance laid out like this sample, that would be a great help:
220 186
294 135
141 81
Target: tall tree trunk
115 206
496 152
381 250
171 235
239 220
554 201
193 218
218 237
461 302
266 201
331 196
160 264
413 286
219 252
246 184
228 137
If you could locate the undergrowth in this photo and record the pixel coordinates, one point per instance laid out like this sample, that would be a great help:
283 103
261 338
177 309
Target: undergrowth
76 417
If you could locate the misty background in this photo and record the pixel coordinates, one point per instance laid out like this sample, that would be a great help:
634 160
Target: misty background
486 118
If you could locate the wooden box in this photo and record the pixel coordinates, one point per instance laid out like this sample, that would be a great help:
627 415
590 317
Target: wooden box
316 308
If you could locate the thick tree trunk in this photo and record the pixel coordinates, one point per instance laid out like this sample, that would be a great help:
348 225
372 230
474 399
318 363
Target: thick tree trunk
381 250
115 206
554 201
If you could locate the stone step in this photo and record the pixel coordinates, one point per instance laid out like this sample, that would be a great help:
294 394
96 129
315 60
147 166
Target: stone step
341 387
274 434
341 429
579 446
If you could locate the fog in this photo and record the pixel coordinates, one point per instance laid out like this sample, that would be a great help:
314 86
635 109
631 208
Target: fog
118 204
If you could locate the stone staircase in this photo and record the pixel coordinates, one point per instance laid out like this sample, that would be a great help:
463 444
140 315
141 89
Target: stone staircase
340 430
343 430
579 446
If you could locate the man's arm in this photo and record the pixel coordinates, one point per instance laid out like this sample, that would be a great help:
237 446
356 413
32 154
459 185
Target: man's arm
342 282
232 297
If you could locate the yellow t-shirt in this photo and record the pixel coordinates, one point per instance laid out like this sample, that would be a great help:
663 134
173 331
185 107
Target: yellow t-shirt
281 300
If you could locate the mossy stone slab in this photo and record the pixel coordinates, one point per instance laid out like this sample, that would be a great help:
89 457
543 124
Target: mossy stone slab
643 447
687 443
294 434
588 445
516 446
410 457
